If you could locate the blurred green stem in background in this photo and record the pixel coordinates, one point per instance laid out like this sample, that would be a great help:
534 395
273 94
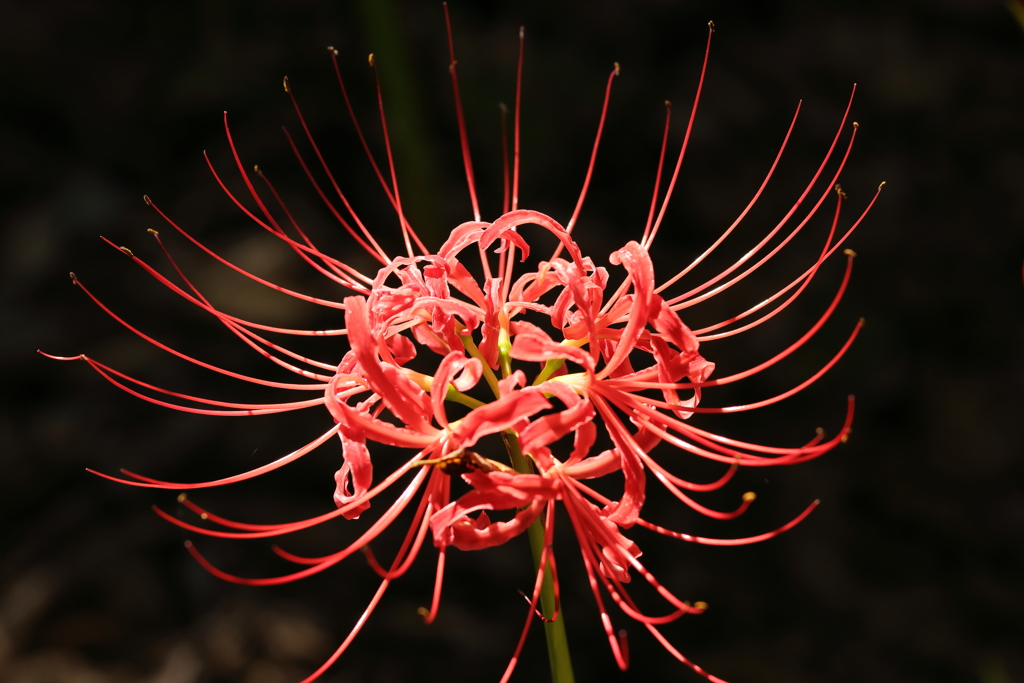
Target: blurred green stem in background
1016 8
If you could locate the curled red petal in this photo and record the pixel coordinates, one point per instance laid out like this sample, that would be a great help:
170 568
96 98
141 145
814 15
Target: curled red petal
504 413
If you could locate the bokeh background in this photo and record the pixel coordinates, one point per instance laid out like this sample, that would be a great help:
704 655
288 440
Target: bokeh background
910 570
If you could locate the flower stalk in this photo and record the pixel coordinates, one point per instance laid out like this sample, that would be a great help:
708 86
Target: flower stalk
550 609
554 618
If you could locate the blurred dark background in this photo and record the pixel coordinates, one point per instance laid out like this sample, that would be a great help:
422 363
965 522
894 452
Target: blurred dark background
911 570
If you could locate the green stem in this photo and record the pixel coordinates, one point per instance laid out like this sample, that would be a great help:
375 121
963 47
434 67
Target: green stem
550 366
471 348
558 643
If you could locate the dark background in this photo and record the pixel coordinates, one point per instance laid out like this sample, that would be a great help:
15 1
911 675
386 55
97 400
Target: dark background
911 569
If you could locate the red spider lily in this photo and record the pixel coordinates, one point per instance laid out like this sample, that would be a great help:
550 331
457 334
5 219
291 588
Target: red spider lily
602 354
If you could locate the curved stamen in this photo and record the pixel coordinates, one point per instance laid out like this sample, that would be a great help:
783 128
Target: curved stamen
340 272
785 219
224 316
620 654
686 139
516 127
232 266
270 530
376 251
593 160
150 483
366 147
352 634
406 228
375 530
196 361
701 540
806 274
657 176
256 409
247 336
467 162
746 209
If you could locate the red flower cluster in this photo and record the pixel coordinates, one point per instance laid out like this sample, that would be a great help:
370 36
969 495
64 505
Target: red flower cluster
589 359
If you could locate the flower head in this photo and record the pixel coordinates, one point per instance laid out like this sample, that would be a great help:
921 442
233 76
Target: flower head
546 353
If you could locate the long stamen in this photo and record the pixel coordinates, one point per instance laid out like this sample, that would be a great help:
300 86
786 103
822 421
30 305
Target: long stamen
806 280
190 359
506 196
613 299
650 419
224 316
147 482
375 530
806 274
746 209
232 266
376 251
686 137
701 540
430 614
270 530
620 654
799 342
243 408
785 219
516 126
593 159
342 273
366 147
247 336
657 178
273 228
352 634
406 229
625 441
245 176
467 162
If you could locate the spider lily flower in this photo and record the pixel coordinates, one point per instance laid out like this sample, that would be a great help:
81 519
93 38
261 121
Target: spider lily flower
598 356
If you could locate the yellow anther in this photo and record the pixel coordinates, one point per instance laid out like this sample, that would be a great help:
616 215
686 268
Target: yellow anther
617 68
711 25
155 233
182 497
370 59
331 49
856 125
285 82
146 199
700 604
127 251
881 184
749 496
849 252
204 516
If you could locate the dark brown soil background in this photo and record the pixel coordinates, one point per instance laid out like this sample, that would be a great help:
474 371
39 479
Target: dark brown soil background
911 570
